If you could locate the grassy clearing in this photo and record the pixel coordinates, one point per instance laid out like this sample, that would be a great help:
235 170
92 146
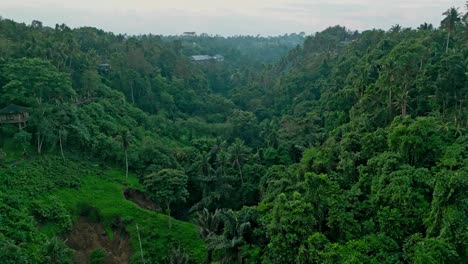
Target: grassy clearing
63 189
105 194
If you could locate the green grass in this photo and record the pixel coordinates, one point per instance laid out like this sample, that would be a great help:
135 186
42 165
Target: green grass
79 187
105 194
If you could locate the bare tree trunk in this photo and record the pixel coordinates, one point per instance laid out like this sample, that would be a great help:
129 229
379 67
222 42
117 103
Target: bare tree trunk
404 102
61 147
38 144
139 240
40 141
126 167
169 215
448 41
131 91
389 105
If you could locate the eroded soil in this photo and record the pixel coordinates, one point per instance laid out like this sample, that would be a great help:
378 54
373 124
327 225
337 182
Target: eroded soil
140 199
87 236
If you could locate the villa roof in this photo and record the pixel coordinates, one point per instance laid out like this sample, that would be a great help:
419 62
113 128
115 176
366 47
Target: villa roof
12 109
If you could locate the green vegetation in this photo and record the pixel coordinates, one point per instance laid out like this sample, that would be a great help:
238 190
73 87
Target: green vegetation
351 148
102 198
63 191
97 257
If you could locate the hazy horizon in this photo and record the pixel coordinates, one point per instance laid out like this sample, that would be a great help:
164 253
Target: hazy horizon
242 17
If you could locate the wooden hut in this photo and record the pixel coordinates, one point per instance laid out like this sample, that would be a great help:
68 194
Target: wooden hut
14 114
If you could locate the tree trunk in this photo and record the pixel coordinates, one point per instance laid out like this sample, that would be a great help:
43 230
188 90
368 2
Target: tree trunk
131 91
139 240
126 167
240 171
389 105
61 147
38 147
448 41
404 102
40 141
169 215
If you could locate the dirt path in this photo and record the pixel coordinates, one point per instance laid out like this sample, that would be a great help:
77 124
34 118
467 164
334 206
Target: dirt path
86 237
140 199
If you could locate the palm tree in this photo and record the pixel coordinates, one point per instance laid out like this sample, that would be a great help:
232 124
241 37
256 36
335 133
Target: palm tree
395 28
219 146
451 18
222 159
126 138
204 178
239 152
217 193
209 225
465 17
179 256
232 239
426 26
269 132
203 165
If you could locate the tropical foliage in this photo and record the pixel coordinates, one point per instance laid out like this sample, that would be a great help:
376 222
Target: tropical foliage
350 148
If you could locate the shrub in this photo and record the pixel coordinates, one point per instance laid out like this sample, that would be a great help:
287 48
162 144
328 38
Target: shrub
97 256
51 210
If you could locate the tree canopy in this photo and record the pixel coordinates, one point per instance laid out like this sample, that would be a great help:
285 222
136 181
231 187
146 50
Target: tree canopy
338 147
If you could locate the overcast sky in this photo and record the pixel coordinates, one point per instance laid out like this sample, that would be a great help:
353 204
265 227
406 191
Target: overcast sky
227 17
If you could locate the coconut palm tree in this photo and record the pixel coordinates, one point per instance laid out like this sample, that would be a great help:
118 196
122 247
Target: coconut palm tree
239 153
232 238
395 28
451 18
126 139
209 225
426 26
202 165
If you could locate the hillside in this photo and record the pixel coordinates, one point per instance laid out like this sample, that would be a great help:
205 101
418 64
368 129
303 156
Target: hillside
351 148
47 197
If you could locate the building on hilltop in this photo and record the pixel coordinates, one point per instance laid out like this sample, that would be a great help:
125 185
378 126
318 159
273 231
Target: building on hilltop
15 114
201 58
346 42
206 58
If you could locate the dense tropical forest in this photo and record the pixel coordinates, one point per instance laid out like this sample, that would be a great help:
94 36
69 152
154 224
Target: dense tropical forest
338 147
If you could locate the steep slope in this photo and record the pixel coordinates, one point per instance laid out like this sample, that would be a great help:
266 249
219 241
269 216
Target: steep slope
57 196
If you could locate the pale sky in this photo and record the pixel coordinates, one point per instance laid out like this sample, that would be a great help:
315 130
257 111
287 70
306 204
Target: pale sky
227 17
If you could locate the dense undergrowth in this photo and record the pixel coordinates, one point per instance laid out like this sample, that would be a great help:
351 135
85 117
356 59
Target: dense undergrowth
42 197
